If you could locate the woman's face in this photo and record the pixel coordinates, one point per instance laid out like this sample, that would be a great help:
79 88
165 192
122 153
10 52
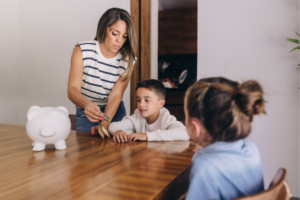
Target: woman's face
116 36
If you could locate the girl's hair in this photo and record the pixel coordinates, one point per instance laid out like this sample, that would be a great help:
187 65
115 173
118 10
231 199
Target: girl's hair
225 107
127 51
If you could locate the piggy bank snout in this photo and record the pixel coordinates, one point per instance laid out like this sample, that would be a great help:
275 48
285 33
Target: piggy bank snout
47 131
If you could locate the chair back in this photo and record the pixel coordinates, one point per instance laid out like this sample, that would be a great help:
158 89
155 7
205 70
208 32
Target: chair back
279 189
73 122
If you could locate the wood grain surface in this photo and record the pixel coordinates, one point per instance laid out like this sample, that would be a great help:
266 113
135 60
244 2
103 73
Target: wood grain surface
177 31
189 25
92 168
135 76
145 40
170 32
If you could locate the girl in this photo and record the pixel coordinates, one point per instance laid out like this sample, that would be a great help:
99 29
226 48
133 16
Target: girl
218 114
101 69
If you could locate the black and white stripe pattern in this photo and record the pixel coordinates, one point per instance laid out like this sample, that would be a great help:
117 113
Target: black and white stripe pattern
99 73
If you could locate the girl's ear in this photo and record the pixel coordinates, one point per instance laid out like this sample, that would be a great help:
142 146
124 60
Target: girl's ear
161 103
197 127
200 133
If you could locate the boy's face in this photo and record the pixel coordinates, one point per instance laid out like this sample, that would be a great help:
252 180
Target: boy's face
148 103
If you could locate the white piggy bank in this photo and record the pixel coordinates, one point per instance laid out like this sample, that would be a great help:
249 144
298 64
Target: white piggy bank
48 125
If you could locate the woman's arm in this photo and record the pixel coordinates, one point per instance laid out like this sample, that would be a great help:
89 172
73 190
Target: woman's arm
91 110
114 98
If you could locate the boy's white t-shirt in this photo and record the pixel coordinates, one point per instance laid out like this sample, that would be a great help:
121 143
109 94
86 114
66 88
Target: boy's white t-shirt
165 128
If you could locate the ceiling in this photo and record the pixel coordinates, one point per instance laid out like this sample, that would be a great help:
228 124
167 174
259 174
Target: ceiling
175 4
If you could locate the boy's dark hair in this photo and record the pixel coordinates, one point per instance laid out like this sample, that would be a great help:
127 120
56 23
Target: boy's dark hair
225 107
154 85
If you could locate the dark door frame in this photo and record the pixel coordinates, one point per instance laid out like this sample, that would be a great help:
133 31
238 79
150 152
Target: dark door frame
140 12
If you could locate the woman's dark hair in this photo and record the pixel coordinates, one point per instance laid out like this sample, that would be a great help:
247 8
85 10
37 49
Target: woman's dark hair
128 50
225 107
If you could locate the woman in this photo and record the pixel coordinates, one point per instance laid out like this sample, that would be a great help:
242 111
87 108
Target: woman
101 69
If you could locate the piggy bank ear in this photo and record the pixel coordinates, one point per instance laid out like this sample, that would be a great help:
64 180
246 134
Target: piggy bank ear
33 111
62 110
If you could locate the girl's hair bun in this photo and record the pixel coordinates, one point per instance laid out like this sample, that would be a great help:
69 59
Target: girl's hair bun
249 98
225 107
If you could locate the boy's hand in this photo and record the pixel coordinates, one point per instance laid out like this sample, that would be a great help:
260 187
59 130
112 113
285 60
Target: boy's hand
120 136
137 136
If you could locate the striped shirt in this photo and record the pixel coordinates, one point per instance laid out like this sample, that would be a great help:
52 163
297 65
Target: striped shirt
99 73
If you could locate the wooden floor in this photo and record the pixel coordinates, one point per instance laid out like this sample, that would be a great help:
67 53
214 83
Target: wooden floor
92 168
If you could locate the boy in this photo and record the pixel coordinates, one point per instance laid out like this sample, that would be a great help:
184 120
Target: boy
150 121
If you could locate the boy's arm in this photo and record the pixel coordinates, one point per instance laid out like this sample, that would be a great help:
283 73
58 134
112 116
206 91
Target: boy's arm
126 125
175 131
169 129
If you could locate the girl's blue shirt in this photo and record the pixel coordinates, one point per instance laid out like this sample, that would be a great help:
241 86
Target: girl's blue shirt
226 170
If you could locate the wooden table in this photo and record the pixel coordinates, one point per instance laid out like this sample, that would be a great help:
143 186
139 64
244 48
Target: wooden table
92 168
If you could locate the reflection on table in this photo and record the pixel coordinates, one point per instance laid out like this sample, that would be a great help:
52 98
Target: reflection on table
92 168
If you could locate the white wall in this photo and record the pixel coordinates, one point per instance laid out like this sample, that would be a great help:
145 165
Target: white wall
299 108
48 32
9 62
160 7
244 40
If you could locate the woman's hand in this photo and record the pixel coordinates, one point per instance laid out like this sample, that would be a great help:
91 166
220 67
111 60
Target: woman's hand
95 129
92 112
105 124
137 136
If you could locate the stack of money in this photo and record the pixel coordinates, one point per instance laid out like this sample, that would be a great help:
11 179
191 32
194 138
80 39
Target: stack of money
102 131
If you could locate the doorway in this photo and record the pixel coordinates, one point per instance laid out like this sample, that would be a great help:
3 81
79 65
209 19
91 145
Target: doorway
169 32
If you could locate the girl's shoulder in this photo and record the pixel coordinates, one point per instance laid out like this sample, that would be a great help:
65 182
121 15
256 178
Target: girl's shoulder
251 146
220 150
220 153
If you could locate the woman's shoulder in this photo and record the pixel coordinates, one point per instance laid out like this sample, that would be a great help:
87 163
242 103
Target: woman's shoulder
124 61
89 42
